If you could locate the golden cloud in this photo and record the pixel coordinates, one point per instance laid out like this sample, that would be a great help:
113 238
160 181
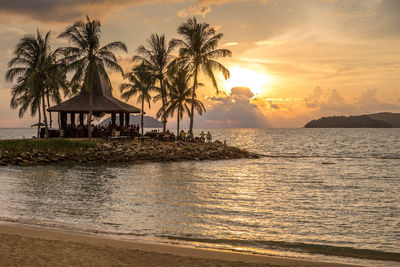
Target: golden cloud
231 44
270 42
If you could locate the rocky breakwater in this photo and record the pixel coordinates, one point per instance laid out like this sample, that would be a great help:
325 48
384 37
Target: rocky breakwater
119 151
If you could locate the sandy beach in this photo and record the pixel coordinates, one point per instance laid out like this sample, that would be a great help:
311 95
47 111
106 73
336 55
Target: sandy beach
24 246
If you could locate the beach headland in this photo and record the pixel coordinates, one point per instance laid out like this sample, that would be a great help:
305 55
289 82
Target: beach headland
36 152
25 246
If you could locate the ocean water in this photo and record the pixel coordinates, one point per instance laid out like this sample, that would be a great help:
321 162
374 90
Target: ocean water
318 194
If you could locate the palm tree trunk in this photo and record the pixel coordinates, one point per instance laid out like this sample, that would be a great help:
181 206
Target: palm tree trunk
48 104
141 119
163 97
40 119
192 107
45 117
90 114
177 127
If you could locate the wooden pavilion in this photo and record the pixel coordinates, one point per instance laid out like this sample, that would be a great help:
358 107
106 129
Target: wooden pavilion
103 103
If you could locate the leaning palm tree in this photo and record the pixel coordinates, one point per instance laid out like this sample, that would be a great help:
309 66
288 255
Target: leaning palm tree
31 66
180 95
158 58
141 82
86 57
56 79
198 50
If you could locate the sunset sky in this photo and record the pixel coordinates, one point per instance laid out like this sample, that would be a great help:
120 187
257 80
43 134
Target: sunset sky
301 59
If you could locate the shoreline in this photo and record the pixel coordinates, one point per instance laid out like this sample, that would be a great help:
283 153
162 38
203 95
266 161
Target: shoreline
34 246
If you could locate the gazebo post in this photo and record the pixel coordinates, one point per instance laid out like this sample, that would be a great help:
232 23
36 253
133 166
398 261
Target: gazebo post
63 118
127 117
113 119
81 119
72 119
121 119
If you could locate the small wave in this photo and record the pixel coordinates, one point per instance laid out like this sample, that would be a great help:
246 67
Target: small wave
331 157
68 228
328 250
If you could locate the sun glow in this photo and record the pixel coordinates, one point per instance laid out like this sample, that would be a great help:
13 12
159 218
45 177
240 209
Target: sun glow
241 77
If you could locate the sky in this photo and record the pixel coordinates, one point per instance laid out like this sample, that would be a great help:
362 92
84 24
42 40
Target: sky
292 60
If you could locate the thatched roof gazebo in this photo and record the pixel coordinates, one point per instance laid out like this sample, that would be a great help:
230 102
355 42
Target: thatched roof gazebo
103 102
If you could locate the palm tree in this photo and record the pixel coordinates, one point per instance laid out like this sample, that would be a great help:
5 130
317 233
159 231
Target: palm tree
198 50
141 82
85 57
180 95
158 58
34 70
56 79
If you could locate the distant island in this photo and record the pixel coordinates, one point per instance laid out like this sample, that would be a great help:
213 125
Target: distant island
148 122
376 120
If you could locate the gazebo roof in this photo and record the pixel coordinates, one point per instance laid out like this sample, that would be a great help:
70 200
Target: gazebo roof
103 100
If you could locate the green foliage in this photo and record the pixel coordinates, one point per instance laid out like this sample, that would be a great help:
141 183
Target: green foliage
180 93
37 73
140 82
86 57
198 49
198 52
158 58
49 145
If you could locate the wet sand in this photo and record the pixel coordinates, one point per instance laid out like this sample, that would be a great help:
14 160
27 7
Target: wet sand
25 246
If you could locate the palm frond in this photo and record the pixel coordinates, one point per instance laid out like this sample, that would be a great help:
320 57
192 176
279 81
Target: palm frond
114 46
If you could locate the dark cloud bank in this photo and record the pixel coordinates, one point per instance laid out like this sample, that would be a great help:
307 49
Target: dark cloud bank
61 10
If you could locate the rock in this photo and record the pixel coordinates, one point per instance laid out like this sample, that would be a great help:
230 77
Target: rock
107 146
131 151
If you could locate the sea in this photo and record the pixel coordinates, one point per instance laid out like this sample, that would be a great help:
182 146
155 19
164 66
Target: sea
328 195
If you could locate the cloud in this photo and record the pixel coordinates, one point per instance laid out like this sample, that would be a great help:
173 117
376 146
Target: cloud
231 44
295 112
369 102
328 101
201 8
62 10
270 42
331 102
234 111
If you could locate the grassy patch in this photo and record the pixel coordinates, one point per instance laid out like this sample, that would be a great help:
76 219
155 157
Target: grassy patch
50 145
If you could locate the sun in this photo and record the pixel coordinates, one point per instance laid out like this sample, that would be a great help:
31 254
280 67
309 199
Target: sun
242 77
